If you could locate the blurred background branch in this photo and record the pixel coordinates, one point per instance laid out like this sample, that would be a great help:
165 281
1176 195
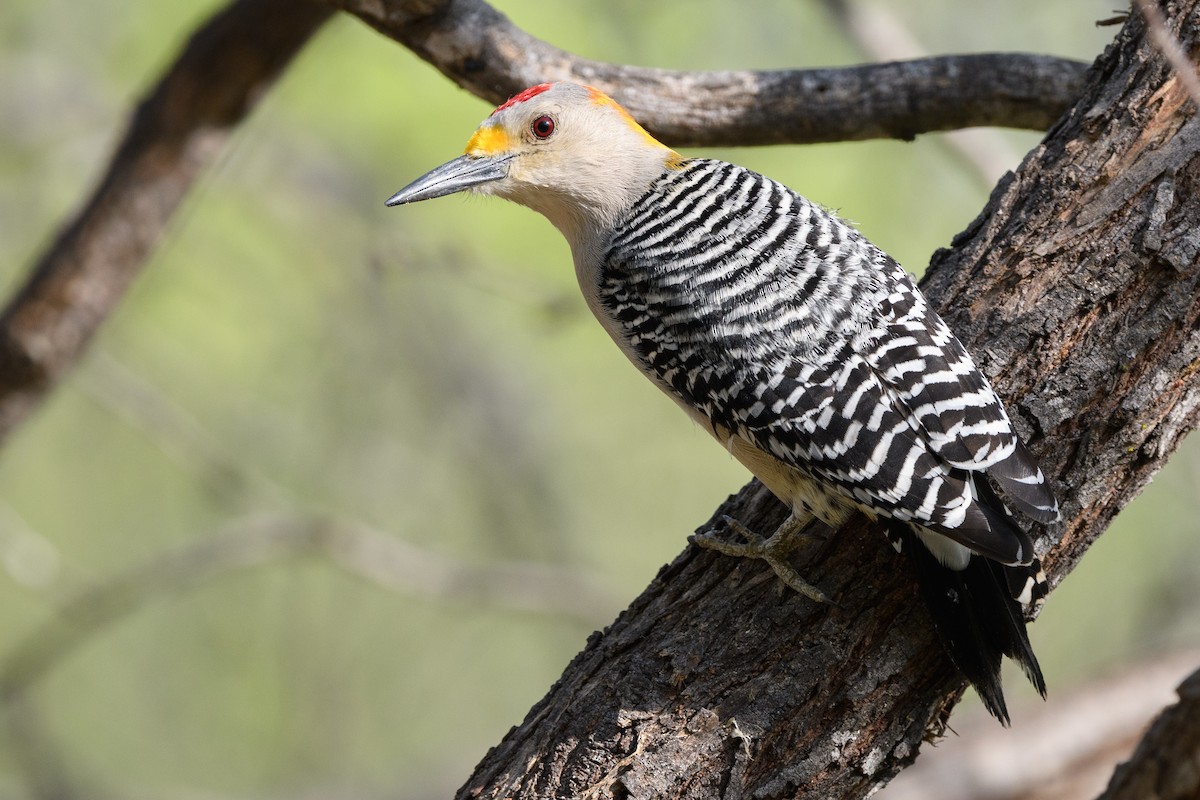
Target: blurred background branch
1165 763
179 130
379 558
1067 747
429 411
175 134
882 36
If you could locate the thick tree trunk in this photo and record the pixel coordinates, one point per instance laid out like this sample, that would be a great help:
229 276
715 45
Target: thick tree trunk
1076 288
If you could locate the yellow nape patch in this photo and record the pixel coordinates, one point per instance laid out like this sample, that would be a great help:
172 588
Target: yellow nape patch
489 140
601 99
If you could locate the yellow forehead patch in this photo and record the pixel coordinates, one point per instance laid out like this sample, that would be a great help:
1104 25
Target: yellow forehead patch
489 140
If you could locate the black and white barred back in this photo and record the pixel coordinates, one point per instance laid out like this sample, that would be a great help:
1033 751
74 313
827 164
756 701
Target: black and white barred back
783 325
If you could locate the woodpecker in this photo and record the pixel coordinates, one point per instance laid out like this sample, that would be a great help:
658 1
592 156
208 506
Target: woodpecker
805 350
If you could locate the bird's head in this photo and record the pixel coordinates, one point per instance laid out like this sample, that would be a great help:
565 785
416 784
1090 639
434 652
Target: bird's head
565 150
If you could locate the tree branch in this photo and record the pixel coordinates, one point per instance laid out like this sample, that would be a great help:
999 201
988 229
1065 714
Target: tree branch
1067 747
1166 764
478 48
881 36
180 129
715 681
1078 288
176 133
1168 45
353 546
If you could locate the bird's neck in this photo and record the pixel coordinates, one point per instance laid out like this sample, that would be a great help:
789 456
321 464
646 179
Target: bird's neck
588 214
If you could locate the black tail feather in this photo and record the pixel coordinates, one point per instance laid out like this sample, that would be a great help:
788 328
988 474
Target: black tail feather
976 617
1024 485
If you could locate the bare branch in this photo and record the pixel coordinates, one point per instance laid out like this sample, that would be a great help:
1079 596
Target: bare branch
516 585
384 560
882 36
176 133
1066 747
1169 46
1166 764
687 689
177 434
180 128
1078 290
37 756
27 558
482 51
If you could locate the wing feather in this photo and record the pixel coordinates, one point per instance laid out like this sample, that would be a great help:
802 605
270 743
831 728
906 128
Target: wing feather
814 346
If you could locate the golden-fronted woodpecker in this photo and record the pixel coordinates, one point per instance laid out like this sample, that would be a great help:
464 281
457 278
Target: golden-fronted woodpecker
805 350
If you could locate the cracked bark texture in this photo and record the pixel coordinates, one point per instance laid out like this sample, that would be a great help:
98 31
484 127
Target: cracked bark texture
1166 764
1076 288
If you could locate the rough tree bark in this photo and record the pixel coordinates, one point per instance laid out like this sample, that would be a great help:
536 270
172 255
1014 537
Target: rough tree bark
1166 765
1077 290
1067 748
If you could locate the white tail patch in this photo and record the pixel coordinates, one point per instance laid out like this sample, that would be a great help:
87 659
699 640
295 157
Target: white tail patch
1025 597
949 553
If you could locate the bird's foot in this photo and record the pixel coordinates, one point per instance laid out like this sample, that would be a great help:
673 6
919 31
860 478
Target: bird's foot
773 550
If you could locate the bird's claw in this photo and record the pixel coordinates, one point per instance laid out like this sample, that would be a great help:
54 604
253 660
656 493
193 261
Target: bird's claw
773 550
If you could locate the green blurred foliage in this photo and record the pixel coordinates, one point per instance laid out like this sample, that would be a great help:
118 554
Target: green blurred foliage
295 348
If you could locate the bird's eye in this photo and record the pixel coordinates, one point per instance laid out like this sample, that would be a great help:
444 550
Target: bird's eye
543 127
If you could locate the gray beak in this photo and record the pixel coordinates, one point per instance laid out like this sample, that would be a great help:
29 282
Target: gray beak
454 176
